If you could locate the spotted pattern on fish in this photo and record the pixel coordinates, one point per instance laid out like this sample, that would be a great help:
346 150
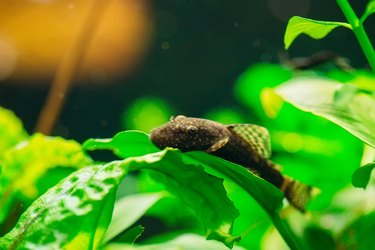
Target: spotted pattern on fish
245 144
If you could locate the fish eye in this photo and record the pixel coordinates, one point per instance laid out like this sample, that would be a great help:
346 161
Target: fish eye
192 130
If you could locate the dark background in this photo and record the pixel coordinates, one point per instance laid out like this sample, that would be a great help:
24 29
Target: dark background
199 48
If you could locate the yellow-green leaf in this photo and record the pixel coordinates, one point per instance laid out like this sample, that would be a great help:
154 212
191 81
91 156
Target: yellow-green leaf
11 130
370 9
313 28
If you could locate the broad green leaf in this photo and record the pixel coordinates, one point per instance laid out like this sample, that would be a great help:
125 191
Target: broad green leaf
123 144
183 242
361 176
75 201
370 9
196 188
11 130
342 104
313 28
128 210
28 161
268 196
67 216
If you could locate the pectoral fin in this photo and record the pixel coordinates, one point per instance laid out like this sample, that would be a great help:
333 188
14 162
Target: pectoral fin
217 145
257 136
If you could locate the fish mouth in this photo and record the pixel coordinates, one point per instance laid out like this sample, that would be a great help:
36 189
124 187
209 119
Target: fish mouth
153 134
156 138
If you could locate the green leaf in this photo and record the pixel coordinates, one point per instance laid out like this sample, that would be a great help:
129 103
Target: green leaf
123 144
318 238
268 196
11 130
77 200
68 215
190 182
132 234
361 176
345 105
135 207
370 9
183 242
24 164
356 235
313 28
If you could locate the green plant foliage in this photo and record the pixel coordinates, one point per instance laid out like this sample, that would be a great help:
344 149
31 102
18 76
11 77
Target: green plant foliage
132 234
370 9
77 199
135 207
361 176
67 216
313 28
24 164
318 238
309 148
123 144
344 105
267 196
11 130
183 242
356 235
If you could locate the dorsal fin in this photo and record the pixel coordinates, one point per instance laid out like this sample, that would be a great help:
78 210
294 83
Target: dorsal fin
257 136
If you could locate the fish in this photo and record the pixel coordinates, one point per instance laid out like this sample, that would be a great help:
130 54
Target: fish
247 145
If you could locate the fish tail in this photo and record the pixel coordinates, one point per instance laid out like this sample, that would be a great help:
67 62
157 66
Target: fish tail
297 193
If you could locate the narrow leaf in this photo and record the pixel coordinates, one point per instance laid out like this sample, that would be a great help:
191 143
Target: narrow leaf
370 9
313 28
361 176
345 105
128 210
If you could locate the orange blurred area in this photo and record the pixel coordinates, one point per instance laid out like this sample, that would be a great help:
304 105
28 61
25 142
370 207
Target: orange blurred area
34 35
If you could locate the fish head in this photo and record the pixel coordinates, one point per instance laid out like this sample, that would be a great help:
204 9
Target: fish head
188 134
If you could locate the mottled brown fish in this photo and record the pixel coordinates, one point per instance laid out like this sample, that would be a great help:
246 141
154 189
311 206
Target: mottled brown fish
245 144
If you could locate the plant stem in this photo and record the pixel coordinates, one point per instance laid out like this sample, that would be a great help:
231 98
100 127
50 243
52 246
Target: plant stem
69 68
359 31
286 233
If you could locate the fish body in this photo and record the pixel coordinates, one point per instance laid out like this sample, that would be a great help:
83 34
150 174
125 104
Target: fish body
245 144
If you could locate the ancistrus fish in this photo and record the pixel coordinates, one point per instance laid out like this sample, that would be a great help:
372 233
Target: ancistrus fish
245 144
